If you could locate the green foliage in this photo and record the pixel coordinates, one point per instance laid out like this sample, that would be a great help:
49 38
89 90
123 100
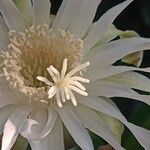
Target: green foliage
141 118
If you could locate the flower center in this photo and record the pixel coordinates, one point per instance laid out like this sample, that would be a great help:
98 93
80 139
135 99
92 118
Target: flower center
63 84
31 52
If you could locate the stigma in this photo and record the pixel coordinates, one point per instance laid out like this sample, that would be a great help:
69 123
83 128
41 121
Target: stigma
63 85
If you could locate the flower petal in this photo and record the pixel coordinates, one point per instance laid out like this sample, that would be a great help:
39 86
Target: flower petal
41 11
10 96
39 145
3 34
4 114
53 141
116 50
25 7
86 11
13 126
32 129
102 25
75 128
11 15
110 89
97 125
132 80
111 34
99 104
108 71
66 13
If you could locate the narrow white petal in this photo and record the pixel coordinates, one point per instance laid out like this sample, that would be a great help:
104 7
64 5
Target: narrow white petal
99 104
10 96
132 80
102 25
97 125
104 72
86 11
3 34
13 127
26 9
28 131
110 89
66 13
53 141
39 124
5 112
41 11
11 15
75 128
110 35
116 50
40 144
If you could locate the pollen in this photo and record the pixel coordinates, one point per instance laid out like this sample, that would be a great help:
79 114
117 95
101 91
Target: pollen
64 84
31 52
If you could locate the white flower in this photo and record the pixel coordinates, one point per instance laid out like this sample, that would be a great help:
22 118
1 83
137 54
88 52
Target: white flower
43 63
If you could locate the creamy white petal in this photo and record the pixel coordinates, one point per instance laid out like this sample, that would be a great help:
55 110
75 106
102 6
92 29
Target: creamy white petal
111 34
13 126
75 128
11 15
26 9
116 50
99 104
3 34
104 72
11 96
39 145
66 13
34 124
132 80
53 141
86 11
41 11
94 123
33 129
110 89
4 114
100 27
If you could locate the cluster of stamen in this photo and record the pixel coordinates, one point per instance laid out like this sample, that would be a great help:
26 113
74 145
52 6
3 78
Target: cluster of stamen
31 52
63 84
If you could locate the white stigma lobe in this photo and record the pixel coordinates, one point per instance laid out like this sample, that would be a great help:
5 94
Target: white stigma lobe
64 84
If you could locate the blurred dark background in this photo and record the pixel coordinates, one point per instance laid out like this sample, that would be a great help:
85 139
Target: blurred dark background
135 17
